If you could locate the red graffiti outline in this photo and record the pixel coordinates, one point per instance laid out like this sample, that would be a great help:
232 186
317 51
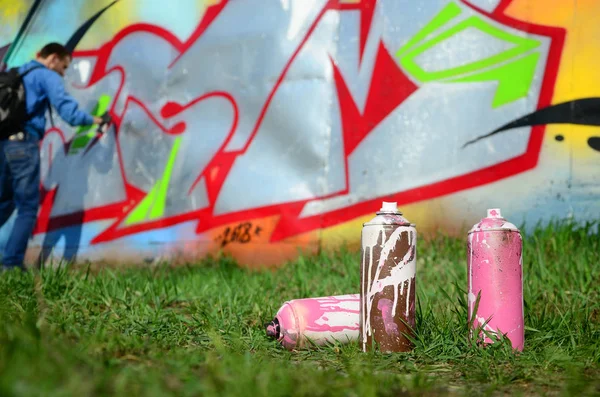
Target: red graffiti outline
290 224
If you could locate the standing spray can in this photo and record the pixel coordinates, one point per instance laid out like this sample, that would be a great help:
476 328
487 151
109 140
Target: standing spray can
387 281
300 323
494 269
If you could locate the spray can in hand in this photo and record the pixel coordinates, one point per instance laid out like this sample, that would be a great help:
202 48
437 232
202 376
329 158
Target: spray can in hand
494 270
387 281
301 323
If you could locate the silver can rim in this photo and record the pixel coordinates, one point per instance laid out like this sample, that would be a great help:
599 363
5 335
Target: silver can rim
494 230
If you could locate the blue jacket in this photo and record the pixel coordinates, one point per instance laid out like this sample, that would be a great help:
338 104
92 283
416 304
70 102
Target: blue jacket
42 84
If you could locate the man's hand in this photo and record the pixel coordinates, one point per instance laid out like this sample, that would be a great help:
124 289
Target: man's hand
104 119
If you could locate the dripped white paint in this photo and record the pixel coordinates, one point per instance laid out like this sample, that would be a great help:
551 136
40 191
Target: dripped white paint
487 327
335 318
471 295
471 298
407 297
347 305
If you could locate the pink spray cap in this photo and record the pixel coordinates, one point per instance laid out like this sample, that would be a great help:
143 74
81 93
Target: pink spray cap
493 221
273 329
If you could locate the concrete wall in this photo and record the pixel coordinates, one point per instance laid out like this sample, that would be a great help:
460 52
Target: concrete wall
262 127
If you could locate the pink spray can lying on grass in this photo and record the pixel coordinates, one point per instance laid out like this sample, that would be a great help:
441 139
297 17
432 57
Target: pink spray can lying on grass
494 269
300 323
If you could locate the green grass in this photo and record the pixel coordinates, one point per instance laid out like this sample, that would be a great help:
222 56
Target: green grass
198 330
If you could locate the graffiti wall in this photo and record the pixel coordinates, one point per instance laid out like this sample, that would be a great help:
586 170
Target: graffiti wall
267 128
12 17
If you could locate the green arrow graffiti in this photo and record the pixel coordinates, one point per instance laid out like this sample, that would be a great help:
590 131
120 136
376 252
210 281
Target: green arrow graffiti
153 205
513 68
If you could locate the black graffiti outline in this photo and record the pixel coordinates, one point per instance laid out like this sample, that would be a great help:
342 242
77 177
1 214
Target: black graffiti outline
582 111
82 30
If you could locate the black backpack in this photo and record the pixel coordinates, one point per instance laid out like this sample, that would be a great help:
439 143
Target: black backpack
13 112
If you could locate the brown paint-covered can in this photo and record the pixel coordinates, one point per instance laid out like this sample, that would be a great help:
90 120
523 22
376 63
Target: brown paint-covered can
387 281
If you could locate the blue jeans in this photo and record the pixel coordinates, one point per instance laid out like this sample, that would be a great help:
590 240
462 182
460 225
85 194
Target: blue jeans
20 189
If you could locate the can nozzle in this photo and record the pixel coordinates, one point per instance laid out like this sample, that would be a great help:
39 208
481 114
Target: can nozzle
273 329
494 213
389 207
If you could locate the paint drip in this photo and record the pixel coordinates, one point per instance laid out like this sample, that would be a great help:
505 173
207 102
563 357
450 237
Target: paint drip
303 323
387 281
494 270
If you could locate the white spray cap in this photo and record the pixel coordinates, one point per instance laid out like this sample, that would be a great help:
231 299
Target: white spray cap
389 207
494 213
388 214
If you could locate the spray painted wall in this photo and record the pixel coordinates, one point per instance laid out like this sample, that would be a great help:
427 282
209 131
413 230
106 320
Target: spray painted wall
262 128
12 15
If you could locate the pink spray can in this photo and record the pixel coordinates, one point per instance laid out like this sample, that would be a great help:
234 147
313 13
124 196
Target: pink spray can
300 323
494 269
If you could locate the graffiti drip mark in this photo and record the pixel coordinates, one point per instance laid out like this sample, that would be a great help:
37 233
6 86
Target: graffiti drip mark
585 111
79 33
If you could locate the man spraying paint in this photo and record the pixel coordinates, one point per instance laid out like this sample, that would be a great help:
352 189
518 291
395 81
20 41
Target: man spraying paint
42 82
